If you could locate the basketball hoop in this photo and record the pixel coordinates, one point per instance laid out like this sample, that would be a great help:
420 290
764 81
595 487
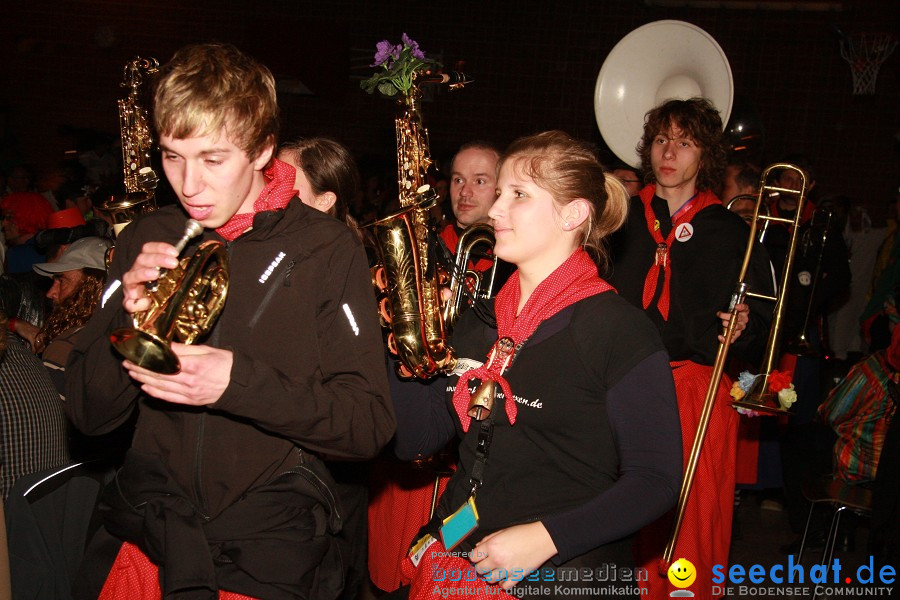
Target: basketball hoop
865 52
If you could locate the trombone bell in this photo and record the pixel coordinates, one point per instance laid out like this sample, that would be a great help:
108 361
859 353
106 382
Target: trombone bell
760 399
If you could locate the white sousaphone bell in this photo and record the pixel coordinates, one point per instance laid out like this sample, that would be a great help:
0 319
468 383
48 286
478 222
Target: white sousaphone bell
656 62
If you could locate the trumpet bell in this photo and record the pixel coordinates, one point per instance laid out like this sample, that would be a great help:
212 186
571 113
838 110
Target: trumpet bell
145 349
654 63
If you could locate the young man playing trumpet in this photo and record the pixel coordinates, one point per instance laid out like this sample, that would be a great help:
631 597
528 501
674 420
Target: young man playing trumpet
222 488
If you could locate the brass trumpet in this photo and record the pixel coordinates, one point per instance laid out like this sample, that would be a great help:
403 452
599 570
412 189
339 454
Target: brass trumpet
463 279
185 303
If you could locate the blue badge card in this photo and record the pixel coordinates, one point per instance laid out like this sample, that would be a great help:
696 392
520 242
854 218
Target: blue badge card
459 525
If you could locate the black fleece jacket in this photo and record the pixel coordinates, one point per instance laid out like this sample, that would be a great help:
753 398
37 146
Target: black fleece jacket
308 366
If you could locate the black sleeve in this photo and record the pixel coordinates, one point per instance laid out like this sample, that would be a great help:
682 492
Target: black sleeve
644 418
100 395
424 421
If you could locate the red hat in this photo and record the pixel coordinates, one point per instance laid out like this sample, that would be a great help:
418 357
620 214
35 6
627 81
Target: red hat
29 211
67 217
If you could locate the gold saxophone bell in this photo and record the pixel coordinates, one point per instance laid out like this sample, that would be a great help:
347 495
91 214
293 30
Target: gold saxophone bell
185 303
482 402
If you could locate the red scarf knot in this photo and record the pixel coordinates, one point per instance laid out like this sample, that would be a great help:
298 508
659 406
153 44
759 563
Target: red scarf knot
500 356
662 260
275 196
573 280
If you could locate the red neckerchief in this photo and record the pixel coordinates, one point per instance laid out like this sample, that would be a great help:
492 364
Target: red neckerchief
451 238
275 196
572 281
808 209
663 258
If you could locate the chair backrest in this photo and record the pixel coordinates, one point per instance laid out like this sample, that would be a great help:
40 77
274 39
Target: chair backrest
5 590
49 520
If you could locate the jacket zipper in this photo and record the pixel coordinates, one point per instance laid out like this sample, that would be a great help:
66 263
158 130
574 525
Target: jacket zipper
198 460
201 429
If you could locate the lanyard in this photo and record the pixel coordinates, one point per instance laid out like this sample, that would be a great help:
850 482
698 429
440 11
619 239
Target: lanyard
684 207
482 449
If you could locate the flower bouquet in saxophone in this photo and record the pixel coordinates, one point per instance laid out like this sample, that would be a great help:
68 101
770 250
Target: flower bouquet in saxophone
407 274
402 70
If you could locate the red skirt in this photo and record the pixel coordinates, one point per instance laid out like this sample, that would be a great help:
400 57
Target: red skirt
399 505
705 535
134 577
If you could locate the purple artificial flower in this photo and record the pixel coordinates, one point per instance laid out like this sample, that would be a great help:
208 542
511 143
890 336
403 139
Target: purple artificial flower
413 46
383 51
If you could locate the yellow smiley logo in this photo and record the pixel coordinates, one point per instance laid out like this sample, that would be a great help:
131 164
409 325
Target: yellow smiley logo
682 573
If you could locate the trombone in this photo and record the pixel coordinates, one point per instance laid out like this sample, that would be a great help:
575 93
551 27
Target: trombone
764 207
759 398
801 345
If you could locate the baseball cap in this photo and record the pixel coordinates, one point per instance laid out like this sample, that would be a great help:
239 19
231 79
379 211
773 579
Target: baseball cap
86 253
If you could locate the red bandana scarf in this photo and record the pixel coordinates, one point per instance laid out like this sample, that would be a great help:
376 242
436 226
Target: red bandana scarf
663 259
275 196
808 209
572 281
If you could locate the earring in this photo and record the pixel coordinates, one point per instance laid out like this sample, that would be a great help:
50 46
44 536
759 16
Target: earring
566 225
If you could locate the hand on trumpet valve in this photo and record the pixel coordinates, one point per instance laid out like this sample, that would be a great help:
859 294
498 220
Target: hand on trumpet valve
743 317
147 267
204 376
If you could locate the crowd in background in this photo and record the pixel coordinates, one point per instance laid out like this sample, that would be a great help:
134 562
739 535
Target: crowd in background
56 234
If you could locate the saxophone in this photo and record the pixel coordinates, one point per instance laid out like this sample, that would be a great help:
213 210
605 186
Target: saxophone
140 178
408 278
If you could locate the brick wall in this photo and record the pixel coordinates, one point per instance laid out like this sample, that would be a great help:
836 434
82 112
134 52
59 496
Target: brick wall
534 68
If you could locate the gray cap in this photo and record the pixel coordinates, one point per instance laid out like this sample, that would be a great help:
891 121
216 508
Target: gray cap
86 253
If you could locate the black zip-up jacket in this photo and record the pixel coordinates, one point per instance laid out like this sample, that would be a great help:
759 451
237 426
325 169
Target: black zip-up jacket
308 366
